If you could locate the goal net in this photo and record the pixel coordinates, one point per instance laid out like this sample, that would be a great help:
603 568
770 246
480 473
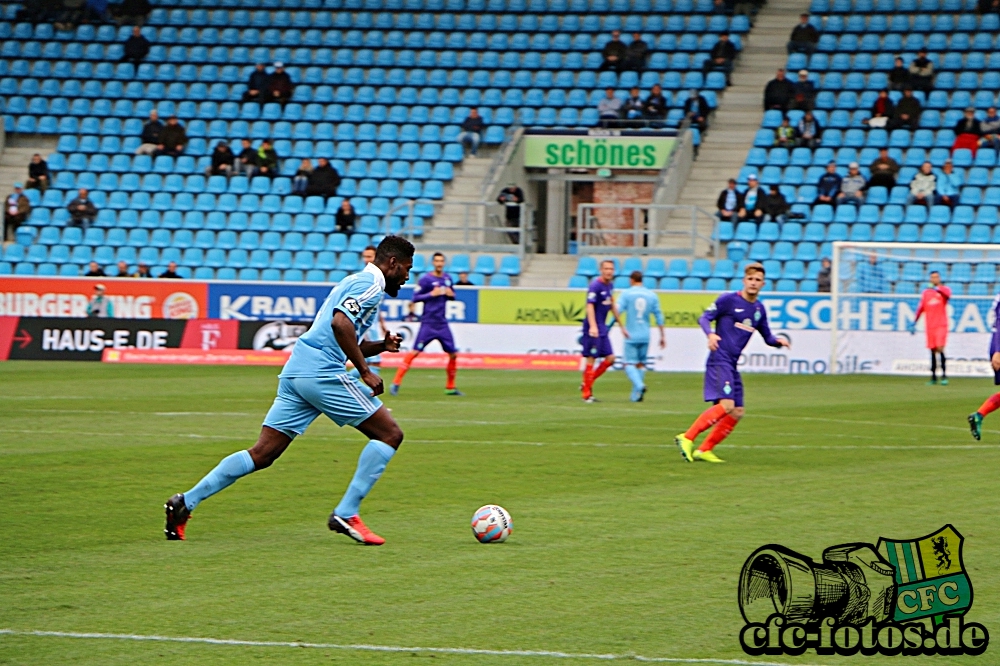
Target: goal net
875 289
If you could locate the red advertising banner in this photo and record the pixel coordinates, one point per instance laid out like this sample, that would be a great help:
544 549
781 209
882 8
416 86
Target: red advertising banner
211 334
195 356
199 356
130 299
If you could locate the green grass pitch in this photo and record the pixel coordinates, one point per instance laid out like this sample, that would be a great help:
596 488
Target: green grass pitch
619 547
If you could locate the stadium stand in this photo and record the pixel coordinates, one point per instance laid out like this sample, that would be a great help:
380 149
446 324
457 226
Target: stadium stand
859 42
381 87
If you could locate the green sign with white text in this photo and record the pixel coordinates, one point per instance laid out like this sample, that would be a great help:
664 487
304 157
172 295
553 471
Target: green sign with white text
615 152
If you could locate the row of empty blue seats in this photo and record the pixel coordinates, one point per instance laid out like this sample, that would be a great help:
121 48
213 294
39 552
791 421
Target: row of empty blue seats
906 23
890 6
868 229
225 273
986 158
876 138
894 42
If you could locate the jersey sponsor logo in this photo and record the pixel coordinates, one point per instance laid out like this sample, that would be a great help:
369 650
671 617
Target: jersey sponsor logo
352 306
906 597
745 325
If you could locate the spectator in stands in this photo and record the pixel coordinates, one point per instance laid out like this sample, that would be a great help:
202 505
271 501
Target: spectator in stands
779 92
725 7
279 85
636 54
990 127
609 109
267 160
823 276
907 113
899 76
882 110
804 38
775 206
784 134
171 272
721 57
730 203
512 197
150 137
852 186
614 53
99 305
969 124
884 171
655 106
16 210
805 92
246 161
871 277
94 270
324 180
82 210
257 84
173 138
131 11
634 107
922 72
828 186
696 109
222 160
808 131
122 269
143 271
472 131
753 201
923 186
967 132
949 184
988 6
463 280
300 183
136 47
38 173
96 11
346 217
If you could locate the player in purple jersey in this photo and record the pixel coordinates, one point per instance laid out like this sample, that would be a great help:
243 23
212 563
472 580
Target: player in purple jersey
434 290
595 341
993 402
737 315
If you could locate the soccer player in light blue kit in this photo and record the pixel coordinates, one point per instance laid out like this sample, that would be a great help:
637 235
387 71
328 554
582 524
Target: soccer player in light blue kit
378 331
315 381
639 304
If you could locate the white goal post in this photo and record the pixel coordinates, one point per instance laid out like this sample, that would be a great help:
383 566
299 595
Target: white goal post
875 290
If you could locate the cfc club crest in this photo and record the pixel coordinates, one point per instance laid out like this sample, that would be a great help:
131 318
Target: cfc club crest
930 576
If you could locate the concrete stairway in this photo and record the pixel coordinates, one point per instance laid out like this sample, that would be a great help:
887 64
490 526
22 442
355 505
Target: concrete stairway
737 119
16 156
547 270
465 186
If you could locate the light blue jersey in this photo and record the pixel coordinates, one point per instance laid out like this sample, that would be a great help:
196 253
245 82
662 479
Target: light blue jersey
639 304
317 354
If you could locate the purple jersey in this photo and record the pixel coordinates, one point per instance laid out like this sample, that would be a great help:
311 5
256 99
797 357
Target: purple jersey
434 306
598 295
735 319
995 340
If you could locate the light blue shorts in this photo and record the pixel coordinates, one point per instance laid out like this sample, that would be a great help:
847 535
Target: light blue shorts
635 352
344 399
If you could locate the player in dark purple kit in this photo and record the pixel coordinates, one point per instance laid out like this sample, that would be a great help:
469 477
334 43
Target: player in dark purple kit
434 290
737 315
595 341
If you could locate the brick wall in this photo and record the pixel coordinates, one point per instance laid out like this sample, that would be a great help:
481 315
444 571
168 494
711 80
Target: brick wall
609 192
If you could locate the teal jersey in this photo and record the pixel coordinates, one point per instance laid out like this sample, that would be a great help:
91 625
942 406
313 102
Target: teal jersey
639 304
317 354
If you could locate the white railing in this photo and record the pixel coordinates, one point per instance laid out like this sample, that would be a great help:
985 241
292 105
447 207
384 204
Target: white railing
468 226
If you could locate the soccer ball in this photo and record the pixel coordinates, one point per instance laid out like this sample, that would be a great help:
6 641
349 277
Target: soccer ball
491 524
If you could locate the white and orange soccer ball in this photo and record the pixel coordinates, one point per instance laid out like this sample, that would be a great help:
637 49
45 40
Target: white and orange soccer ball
491 524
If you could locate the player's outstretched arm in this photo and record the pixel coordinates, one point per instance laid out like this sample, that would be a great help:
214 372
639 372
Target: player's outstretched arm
372 348
769 338
343 331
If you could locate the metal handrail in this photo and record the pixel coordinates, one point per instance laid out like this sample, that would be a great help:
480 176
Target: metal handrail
476 234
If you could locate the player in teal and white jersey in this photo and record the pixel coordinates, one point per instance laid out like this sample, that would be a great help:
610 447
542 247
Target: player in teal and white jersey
639 304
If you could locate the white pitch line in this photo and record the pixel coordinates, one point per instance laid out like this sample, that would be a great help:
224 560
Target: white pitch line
390 648
890 447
